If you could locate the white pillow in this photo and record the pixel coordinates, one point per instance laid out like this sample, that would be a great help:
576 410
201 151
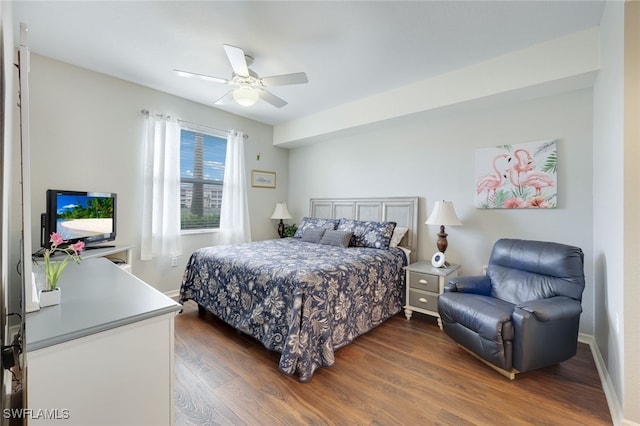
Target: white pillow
398 234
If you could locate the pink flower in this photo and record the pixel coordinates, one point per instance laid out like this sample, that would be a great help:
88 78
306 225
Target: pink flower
56 239
538 201
77 247
513 203
52 269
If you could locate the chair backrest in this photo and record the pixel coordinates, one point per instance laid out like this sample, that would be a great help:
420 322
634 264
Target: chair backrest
523 270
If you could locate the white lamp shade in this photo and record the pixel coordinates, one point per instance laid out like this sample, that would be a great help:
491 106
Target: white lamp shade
281 212
245 96
443 214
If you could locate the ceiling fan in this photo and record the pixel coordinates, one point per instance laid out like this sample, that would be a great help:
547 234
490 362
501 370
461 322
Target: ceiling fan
248 86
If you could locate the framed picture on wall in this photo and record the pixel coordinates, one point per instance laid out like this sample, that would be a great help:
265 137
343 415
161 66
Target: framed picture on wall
262 179
522 176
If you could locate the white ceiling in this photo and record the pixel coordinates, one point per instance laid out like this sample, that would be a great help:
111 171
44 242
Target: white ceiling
349 50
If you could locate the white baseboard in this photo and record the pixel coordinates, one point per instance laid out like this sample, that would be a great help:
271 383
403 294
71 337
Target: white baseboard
617 415
174 294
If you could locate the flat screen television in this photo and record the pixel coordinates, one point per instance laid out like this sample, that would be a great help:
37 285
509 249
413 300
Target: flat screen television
79 216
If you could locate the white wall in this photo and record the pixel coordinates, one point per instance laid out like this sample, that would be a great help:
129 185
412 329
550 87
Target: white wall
432 154
616 201
608 192
631 208
86 134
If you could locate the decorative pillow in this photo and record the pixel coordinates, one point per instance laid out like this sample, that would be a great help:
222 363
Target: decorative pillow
336 238
313 235
368 233
314 222
398 234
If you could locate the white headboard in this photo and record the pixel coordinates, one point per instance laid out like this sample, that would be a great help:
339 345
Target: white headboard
402 210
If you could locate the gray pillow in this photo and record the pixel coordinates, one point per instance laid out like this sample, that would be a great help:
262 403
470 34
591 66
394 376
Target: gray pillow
314 222
336 238
312 235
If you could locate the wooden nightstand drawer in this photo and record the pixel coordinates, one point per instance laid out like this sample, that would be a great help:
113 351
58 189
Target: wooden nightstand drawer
423 300
426 282
424 285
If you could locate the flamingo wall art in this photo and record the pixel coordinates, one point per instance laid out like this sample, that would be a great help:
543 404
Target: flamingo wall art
521 176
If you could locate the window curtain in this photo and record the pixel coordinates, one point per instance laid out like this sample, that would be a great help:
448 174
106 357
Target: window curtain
234 211
161 188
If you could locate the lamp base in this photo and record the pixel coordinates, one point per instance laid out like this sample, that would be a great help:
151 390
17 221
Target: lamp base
281 228
442 240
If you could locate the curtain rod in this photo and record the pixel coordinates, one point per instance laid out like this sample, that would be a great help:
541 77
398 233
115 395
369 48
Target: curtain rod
202 126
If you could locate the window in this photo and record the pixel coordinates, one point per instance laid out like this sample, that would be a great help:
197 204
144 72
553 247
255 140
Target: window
201 175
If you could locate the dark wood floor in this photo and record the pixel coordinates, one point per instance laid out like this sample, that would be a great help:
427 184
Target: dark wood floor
403 372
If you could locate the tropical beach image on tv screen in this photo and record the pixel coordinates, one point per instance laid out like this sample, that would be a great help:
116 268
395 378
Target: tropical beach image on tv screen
83 216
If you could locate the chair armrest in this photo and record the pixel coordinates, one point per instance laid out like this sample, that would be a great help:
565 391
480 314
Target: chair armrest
476 284
546 332
552 309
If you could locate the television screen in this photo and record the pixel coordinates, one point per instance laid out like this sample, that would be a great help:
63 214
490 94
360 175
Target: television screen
80 216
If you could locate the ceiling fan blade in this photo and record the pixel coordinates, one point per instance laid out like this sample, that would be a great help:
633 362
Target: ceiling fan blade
201 76
225 99
237 60
282 80
272 99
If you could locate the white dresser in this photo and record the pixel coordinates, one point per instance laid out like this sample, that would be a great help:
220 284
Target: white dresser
104 356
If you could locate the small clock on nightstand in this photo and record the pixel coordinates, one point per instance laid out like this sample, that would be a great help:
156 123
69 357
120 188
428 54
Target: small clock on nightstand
424 284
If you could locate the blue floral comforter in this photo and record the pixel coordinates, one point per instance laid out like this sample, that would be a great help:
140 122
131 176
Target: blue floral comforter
304 300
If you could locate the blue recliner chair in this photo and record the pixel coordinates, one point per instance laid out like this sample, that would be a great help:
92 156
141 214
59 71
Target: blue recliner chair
525 312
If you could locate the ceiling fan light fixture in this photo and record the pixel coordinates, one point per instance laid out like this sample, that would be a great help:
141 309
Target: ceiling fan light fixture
245 96
246 86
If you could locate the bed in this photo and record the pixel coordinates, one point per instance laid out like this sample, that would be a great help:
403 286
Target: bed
305 297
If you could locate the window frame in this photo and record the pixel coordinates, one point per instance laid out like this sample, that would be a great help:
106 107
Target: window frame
207 132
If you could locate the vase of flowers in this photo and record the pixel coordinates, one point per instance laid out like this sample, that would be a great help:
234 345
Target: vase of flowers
53 269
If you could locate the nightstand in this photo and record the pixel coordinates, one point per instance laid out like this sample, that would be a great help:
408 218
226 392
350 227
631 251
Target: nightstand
424 284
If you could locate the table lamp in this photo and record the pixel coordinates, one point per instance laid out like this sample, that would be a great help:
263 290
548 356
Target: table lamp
281 212
443 214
